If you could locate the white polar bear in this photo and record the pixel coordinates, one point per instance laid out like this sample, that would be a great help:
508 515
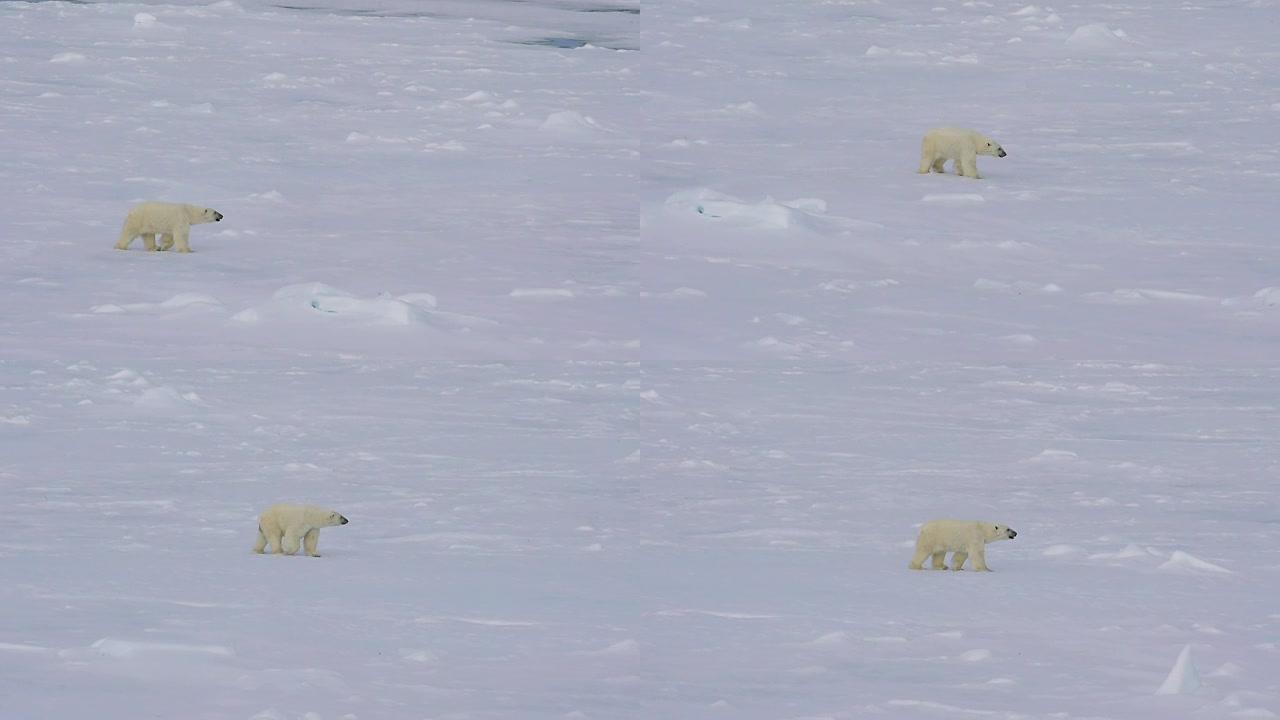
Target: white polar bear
284 525
962 537
172 221
959 145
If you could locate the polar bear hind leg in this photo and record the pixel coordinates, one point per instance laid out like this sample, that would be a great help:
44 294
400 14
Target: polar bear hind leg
938 165
180 235
290 542
166 241
958 559
268 539
939 560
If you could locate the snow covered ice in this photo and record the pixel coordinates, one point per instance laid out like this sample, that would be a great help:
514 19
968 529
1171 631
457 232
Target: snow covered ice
636 351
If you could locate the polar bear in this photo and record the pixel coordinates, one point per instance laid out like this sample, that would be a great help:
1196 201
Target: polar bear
960 145
282 526
172 221
962 537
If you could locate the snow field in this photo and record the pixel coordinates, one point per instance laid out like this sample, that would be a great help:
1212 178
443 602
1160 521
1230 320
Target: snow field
352 334
667 466
1076 346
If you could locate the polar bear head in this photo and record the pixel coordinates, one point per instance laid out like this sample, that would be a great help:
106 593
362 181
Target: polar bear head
334 518
992 532
987 146
197 215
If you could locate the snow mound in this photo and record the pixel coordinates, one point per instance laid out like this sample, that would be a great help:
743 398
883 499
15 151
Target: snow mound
127 377
421 299
953 198
877 51
166 398
1097 37
571 122
1142 296
419 656
1129 551
1181 562
180 301
622 647
1183 678
1228 669
542 293
270 196
1050 455
768 214
1059 550
1021 340
112 647
1269 296
831 639
317 298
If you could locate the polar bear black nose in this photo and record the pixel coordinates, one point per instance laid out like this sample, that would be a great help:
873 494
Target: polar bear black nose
217 216
344 521
1002 153
1012 534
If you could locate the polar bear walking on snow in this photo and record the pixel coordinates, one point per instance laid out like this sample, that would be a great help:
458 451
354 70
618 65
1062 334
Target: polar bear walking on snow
959 145
171 221
282 526
965 538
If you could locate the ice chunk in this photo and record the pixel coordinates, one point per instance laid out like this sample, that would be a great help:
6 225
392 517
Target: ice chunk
1097 36
1186 563
1183 678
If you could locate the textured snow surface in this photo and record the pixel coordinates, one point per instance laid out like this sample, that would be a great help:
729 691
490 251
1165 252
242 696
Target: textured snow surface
636 351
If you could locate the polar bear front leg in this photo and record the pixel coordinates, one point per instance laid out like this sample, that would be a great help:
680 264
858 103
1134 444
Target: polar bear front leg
917 560
126 237
927 156
939 560
939 165
957 560
290 544
262 541
166 241
979 554
310 540
181 235
968 166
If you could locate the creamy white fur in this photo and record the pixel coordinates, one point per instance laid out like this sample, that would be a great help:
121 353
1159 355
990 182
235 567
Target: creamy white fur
282 526
171 221
965 538
960 145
